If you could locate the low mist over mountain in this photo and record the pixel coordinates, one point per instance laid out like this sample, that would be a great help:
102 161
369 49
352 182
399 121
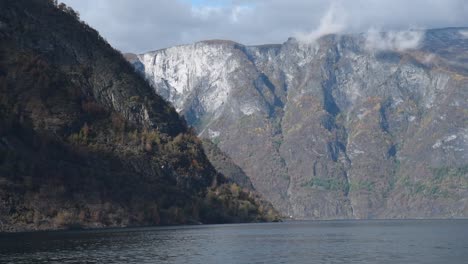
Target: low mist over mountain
345 126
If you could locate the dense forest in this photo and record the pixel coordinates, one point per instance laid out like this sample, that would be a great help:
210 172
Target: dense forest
85 142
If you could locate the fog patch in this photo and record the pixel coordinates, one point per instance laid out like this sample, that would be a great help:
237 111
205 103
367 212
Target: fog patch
463 33
332 22
429 58
393 40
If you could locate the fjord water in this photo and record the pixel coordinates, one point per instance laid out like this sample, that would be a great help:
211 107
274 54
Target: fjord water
380 241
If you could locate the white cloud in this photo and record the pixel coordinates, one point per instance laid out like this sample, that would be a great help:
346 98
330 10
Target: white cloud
206 12
464 33
333 22
139 26
238 12
429 58
393 40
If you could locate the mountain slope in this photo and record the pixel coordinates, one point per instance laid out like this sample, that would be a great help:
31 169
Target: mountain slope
351 126
85 142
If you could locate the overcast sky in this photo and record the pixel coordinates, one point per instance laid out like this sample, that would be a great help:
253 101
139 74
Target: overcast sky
144 25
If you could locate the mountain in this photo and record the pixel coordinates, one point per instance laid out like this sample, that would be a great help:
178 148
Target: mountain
359 126
85 141
225 165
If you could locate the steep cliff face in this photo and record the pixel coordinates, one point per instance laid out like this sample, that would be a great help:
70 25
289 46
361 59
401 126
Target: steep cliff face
84 140
351 126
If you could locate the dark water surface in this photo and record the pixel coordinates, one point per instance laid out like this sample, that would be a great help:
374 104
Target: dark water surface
409 241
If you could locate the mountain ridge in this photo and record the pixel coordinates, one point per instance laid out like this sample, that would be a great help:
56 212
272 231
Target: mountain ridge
322 128
85 142
294 39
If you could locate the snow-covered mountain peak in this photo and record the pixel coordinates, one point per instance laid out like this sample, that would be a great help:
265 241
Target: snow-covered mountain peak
176 72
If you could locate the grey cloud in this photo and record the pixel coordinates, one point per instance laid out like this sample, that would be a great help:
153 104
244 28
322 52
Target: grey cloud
143 25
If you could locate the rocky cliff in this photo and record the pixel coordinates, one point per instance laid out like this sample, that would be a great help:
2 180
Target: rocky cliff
85 142
350 126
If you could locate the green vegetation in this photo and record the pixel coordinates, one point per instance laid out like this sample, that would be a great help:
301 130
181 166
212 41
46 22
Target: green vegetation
277 143
443 180
216 141
362 185
443 172
224 164
230 203
328 184
431 190
85 142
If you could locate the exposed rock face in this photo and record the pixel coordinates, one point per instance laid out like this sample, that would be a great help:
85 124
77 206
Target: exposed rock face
85 141
352 126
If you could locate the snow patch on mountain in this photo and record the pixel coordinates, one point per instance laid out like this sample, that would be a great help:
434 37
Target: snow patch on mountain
178 72
249 109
